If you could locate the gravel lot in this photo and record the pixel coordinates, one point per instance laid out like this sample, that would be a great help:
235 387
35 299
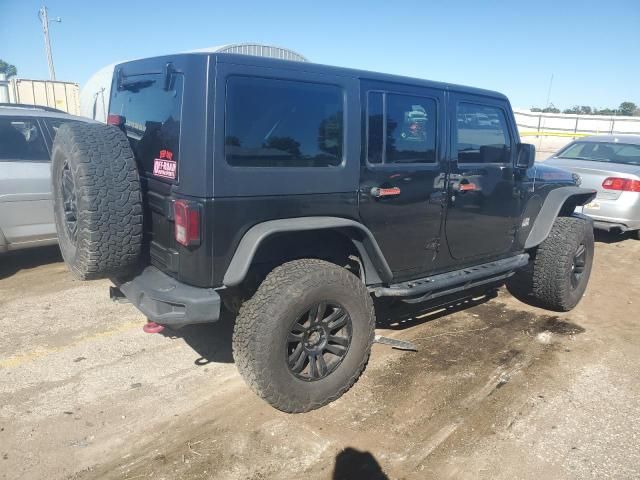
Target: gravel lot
497 390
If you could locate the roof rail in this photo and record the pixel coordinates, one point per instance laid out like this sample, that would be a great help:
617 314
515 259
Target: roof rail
33 107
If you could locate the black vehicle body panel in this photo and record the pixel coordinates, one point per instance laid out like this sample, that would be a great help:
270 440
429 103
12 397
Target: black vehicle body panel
429 228
408 227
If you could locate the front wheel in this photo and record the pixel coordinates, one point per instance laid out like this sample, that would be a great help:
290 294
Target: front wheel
558 275
305 336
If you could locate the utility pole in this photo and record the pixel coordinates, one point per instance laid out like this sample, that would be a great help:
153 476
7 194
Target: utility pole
44 19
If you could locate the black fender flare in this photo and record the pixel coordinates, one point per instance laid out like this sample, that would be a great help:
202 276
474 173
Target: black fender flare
550 209
375 265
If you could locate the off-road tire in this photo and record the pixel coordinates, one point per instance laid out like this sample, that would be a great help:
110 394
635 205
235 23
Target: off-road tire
546 282
262 326
106 185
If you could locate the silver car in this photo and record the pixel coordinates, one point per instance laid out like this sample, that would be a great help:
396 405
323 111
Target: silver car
611 165
26 210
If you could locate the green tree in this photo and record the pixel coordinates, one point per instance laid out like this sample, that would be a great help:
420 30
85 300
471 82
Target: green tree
7 68
575 110
551 109
627 108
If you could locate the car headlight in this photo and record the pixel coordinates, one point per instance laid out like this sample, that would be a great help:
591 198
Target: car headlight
577 179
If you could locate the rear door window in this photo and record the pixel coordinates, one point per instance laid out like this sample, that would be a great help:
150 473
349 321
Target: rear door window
151 112
401 128
283 123
482 134
21 140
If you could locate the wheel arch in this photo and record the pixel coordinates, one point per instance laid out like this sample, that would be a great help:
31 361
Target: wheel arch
376 268
559 202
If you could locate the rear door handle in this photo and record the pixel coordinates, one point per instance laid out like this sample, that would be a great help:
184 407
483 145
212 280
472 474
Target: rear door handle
378 192
463 185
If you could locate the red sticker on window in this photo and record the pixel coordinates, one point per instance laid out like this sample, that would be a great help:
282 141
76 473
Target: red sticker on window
164 168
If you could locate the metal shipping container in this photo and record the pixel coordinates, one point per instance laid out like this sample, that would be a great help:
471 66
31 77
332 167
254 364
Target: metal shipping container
64 96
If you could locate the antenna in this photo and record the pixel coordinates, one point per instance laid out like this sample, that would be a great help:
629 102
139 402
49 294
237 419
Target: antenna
549 91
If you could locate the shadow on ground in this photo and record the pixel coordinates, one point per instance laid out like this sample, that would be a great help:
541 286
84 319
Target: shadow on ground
13 262
212 341
352 464
398 315
602 236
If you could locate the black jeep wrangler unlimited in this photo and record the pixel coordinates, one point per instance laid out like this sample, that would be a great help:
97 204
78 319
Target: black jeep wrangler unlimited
295 193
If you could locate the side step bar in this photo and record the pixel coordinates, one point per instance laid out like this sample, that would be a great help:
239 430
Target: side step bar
455 281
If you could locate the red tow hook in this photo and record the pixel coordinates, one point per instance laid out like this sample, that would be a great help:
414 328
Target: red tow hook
153 327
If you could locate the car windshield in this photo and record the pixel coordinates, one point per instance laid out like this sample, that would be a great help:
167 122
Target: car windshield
612 152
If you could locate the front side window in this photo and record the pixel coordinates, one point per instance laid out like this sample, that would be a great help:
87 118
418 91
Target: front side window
401 129
482 134
21 139
282 123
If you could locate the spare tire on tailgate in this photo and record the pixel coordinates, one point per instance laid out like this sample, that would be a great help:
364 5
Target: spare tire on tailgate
97 200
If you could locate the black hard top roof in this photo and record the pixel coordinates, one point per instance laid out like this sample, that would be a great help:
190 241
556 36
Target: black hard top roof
250 60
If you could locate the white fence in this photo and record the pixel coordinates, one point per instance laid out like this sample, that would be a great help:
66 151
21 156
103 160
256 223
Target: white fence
570 125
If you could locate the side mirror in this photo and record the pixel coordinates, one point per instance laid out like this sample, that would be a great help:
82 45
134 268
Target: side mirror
526 155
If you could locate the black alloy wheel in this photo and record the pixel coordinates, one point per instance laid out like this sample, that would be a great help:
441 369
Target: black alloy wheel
578 265
318 341
69 203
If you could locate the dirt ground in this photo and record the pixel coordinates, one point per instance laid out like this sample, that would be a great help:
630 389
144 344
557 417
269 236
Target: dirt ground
497 390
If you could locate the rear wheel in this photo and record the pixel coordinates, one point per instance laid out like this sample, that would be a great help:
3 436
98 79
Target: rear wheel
304 338
558 275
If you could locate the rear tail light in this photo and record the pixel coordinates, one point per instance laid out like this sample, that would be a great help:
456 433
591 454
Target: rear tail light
187 222
622 184
117 120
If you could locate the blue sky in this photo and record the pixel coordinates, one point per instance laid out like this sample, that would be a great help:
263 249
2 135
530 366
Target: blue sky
591 47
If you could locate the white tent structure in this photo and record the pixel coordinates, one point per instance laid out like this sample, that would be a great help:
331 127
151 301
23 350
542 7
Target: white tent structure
94 96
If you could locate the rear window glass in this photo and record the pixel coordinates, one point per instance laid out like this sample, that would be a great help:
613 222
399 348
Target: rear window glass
281 123
151 116
21 139
603 152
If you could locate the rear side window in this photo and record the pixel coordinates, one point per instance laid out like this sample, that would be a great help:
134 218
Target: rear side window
21 139
282 123
151 113
54 124
482 134
401 128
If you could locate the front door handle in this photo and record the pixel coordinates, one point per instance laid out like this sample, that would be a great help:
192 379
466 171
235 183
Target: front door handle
378 192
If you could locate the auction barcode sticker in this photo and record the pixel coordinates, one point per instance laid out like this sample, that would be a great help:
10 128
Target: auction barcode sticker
164 168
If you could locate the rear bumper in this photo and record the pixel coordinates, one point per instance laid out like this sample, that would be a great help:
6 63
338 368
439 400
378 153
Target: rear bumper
622 213
166 301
